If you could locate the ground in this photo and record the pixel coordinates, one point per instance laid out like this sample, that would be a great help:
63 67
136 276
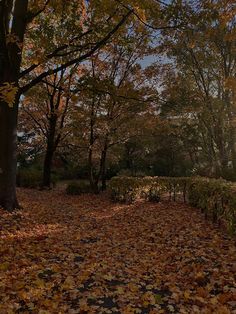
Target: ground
85 254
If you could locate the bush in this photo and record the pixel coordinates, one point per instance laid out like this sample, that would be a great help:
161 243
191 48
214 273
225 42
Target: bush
216 198
78 188
128 189
124 189
154 193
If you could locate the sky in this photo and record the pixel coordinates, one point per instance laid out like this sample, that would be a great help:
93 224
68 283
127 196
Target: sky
148 61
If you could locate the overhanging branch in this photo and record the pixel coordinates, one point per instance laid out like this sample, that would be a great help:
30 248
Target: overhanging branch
77 60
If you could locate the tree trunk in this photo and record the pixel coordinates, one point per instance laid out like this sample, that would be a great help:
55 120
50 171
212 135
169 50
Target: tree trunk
232 147
10 62
232 131
8 159
47 167
51 147
103 168
92 181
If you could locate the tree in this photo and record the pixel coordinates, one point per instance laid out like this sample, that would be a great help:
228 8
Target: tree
19 20
114 97
204 61
47 110
35 33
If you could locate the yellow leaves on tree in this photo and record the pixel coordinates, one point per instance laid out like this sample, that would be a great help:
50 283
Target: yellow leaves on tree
8 93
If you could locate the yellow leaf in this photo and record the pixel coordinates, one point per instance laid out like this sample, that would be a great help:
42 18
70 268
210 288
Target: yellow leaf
108 277
120 290
68 283
186 295
132 287
39 283
8 93
4 266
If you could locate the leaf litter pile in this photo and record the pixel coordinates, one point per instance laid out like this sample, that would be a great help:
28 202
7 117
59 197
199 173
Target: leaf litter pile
85 254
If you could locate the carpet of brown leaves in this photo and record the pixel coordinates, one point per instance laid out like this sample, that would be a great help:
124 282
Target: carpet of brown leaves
85 254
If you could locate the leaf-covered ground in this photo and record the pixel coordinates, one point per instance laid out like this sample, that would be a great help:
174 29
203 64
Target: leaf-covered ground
88 255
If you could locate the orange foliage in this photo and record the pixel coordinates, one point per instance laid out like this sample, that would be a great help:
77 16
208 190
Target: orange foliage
85 254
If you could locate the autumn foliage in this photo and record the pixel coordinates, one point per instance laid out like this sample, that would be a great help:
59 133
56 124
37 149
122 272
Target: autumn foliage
86 254
137 96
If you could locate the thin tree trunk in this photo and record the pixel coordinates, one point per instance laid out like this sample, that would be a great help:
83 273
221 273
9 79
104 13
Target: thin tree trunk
232 147
92 181
103 168
232 132
47 167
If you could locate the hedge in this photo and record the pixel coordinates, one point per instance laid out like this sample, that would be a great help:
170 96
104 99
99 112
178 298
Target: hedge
215 197
128 189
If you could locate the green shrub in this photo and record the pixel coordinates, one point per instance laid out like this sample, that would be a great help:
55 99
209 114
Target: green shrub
154 193
151 188
124 189
78 188
216 198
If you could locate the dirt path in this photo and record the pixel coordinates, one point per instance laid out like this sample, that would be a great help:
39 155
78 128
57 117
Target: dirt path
87 255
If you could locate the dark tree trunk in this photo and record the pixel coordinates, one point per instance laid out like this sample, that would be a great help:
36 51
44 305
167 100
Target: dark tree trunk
103 168
93 182
232 131
8 160
232 147
10 62
51 147
101 174
55 123
47 168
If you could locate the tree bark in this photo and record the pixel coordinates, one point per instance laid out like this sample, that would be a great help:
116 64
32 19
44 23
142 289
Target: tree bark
8 159
10 62
47 168
92 181
232 140
103 168
51 147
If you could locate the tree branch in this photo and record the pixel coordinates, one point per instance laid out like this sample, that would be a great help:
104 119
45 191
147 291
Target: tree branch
32 15
77 60
55 53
